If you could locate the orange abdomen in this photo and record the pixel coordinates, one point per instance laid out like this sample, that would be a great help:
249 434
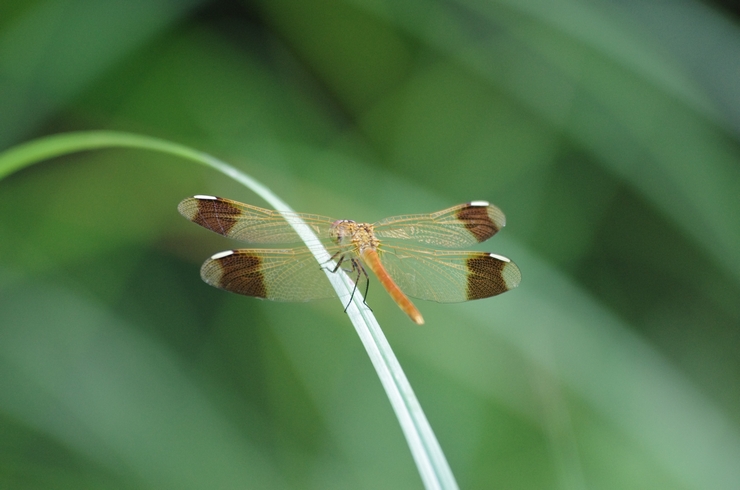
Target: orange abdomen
372 260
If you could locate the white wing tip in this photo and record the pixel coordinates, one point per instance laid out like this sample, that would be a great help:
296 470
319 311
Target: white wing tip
500 257
481 204
221 255
203 196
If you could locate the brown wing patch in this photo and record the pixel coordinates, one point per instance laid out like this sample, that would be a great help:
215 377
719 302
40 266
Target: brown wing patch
237 272
216 214
489 275
481 219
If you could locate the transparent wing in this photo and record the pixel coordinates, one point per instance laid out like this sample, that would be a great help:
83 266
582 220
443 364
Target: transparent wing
248 223
449 276
279 275
461 225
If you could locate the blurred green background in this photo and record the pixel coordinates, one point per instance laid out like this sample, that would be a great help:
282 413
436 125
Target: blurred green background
608 131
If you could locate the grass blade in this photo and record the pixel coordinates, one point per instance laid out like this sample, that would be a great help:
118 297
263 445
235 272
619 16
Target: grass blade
432 465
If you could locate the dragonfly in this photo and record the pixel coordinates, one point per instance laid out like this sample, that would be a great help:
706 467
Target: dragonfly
388 248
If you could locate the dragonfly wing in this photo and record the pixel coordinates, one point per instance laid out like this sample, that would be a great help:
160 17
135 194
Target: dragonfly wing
278 275
449 276
248 223
465 224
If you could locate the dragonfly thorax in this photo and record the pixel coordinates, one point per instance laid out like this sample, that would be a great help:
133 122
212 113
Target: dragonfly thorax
360 235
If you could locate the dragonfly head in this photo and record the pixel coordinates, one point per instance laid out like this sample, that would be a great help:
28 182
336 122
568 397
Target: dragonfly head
342 231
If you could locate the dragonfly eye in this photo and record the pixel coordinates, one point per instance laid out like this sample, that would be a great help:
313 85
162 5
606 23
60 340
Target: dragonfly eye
342 231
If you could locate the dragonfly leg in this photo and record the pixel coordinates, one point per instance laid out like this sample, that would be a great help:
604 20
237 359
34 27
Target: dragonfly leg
357 266
339 262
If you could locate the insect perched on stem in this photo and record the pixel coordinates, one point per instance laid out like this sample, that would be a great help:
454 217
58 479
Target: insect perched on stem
444 276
